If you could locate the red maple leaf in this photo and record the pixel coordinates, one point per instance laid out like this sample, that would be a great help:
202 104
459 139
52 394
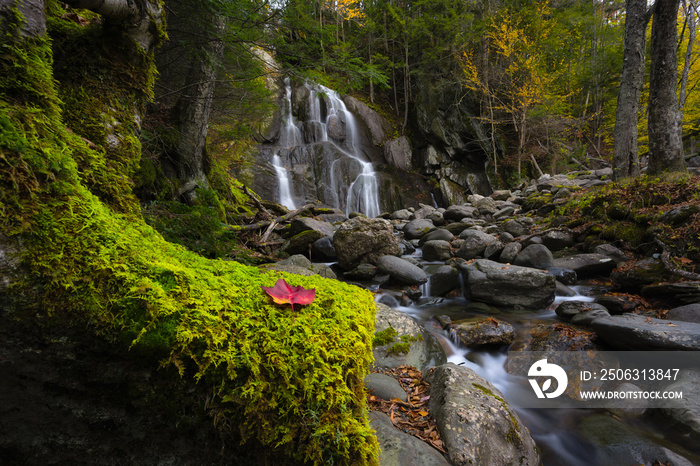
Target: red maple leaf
282 293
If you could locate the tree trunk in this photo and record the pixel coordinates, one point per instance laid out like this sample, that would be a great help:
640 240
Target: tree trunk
626 155
665 144
690 22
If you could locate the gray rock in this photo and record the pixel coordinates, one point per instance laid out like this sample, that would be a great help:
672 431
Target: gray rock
443 280
401 449
437 250
563 290
586 317
611 251
535 255
687 313
678 215
362 272
458 212
636 332
480 331
510 252
384 386
475 243
569 309
397 153
437 218
686 413
486 205
677 293
379 128
477 424
364 240
566 276
297 259
639 273
501 195
516 228
557 240
614 442
459 227
586 265
302 224
415 229
402 214
322 250
508 285
324 271
424 211
424 350
401 270
439 234
493 250
301 243
504 213
335 127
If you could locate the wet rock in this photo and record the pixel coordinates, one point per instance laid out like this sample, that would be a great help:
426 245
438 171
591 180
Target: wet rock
362 272
474 244
379 128
566 276
586 317
401 270
443 280
322 250
634 275
335 127
415 229
636 332
423 350
587 265
397 153
535 255
686 412
458 212
568 309
437 250
439 234
301 243
364 240
508 285
615 442
481 331
401 449
617 305
687 313
563 290
477 424
516 228
384 386
554 336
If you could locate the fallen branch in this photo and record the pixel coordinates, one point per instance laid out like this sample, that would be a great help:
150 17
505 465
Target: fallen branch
267 223
666 260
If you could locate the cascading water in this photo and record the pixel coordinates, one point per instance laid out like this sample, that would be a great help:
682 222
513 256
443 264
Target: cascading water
327 141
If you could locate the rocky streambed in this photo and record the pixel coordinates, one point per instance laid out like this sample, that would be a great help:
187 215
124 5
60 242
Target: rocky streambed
458 287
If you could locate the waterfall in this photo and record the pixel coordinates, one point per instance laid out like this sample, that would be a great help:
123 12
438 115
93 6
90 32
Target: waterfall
283 181
328 128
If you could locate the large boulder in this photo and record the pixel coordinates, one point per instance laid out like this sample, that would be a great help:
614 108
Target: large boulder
480 331
397 153
401 270
587 265
415 229
477 424
636 332
408 344
475 243
509 286
442 280
535 255
379 128
437 250
364 240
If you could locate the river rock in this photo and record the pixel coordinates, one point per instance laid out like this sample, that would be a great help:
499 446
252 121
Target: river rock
322 250
384 386
555 336
436 217
617 305
437 250
611 251
508 285
403 214
443 280
678 215
586 317
362 272
565 276
424 211
477 424
636 274
510 252
586 265
686 413
536 256
493 250
636 332
615 442
568 309
424 351
303 224
458 212
401 270
481 331
301 243
677 293
687 313
364 240
415 229
401 449
515 228
474 244
556 240
501 195
439 234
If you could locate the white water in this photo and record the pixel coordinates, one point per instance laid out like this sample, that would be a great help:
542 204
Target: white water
283 182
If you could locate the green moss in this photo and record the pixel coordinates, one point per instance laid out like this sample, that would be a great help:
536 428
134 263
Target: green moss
91 261
398 348
384 337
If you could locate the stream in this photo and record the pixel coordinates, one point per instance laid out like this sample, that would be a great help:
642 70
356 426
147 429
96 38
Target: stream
557 432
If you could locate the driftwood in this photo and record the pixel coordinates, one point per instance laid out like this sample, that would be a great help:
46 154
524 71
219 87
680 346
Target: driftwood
270 223
666 260
257 202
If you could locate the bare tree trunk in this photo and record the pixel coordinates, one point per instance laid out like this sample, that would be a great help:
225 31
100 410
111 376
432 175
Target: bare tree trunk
665 144
626 155
690 22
